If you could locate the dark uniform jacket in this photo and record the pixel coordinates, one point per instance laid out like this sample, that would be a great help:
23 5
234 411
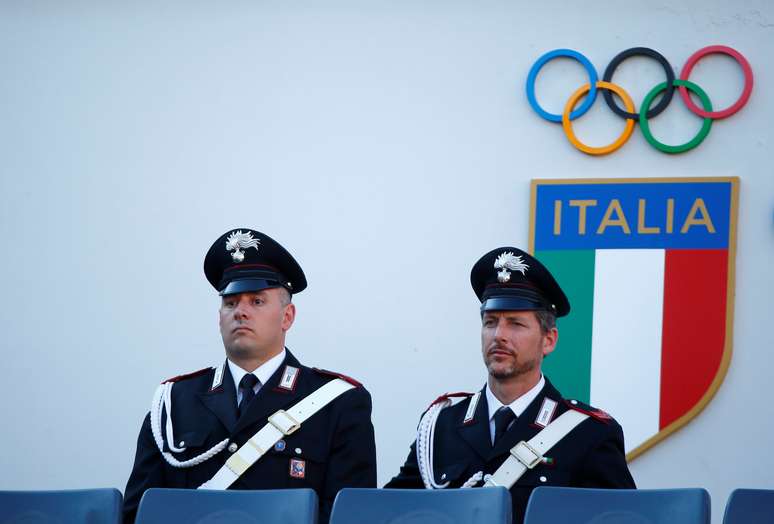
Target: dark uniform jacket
591 455
336 443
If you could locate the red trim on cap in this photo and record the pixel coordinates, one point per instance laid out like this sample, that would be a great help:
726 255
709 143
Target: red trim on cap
524 284
447 396
187 375
339 375
242 266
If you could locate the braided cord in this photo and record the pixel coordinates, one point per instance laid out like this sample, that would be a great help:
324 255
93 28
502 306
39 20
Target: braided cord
425 434
162 401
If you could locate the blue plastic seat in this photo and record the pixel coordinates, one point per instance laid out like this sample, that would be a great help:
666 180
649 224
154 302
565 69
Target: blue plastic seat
552 505
202 506
78 506
414 506
750 506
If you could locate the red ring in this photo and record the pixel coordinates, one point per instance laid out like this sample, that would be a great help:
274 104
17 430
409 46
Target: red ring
748 81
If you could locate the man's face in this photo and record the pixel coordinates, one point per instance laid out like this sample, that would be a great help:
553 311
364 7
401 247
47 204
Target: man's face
253 324
513 344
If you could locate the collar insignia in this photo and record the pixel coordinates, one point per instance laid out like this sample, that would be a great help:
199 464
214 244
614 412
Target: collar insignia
471 412
238 241
289 376
217 380
507 260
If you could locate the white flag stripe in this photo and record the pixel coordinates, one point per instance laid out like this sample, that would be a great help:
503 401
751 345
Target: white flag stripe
626 339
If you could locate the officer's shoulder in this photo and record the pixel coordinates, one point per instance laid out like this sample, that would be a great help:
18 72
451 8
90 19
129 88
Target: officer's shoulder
189 378
593 413
459 402
325 375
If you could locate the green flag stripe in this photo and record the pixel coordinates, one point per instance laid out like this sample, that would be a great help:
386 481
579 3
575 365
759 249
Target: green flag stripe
569 366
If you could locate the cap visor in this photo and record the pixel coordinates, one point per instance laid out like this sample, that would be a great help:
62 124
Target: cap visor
247 285
511 304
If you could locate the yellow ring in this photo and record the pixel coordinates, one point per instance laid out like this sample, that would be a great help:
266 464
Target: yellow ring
567 125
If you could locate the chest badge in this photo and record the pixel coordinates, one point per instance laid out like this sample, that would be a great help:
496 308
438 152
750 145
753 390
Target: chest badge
297 468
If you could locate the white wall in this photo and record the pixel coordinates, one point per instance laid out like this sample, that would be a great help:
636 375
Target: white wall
387 145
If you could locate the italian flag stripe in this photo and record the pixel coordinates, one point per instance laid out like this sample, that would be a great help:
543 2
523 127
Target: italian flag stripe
626 337
570 365
694 328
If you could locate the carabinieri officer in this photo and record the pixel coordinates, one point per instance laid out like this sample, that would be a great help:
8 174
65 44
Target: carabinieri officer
518 431
196 434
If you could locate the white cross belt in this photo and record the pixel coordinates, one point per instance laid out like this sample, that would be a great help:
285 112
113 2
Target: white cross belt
527 455
281 423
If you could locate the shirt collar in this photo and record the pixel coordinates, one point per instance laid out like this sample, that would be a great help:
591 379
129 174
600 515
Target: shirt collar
263 372
517 406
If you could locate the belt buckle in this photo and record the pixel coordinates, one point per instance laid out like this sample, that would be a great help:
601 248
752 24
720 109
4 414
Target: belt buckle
529 462
288 425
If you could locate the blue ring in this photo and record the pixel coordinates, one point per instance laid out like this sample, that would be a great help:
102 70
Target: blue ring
533 72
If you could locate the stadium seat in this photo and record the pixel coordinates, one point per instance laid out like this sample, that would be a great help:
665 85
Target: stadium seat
414 506
550 505
78 506
201 506
750 506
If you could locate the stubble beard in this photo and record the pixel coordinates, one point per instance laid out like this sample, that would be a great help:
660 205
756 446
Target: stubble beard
500 372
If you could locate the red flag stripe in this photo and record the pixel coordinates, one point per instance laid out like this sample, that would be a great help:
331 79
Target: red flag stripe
694 328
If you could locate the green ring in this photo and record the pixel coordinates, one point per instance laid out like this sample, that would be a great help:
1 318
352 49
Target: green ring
695 141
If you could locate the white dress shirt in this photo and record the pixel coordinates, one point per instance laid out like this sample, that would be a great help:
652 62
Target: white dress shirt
517 406
263 373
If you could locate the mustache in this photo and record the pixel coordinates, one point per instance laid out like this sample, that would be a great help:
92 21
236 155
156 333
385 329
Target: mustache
497 347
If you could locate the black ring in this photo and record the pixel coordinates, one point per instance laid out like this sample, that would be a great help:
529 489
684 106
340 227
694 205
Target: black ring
639 51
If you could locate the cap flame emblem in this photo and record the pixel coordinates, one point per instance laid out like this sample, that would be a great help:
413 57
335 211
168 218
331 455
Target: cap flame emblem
239 242
507 260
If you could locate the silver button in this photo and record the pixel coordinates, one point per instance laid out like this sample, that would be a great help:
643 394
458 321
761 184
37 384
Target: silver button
543 479
443 476
232 447
182 444
298 451
573 402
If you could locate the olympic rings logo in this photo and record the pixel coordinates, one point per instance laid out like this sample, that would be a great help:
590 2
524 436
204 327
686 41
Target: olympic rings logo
646 112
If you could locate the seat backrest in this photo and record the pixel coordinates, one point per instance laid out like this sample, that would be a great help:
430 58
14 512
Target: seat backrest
84 506
412 506
201 506
549 505
750 506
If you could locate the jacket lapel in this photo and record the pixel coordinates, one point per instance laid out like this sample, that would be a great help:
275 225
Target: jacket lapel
524 427
476 433
222 401
271 397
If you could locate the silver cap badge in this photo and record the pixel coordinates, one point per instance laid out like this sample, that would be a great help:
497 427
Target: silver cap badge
238 241
507 260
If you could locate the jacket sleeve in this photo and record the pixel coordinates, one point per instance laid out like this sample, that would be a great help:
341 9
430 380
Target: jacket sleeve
605 464
352 462
147 472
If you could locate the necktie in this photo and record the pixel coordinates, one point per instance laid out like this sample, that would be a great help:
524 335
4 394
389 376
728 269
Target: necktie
247 388
503 418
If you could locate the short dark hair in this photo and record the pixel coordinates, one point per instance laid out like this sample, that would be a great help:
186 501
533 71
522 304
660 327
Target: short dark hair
286 297
547 320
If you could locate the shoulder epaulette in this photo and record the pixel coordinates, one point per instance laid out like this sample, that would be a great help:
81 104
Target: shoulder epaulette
187 375
343 377
447 396
594 413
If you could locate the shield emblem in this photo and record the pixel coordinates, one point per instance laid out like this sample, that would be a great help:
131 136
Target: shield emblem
648 267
